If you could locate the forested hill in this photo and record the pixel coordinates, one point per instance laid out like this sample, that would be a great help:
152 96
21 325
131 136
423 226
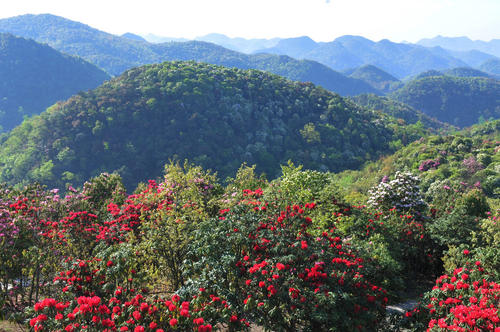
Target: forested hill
215 116
461 101
35 76
116 54
460 161
376 77
399 110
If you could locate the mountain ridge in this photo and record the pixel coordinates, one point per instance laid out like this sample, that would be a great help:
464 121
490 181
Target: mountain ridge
35 76
116 54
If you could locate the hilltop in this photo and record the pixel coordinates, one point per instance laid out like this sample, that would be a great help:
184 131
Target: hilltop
460 101
215 116
376 77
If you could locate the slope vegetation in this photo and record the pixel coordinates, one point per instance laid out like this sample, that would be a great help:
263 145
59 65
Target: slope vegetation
461 101
214 116
463 160
398 110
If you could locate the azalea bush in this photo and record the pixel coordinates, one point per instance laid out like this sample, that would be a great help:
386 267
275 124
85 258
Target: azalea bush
467 300
108 295
269 266
402 193
397 247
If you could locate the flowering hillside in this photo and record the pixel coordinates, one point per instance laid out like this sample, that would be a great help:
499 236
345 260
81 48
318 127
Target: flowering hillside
189 254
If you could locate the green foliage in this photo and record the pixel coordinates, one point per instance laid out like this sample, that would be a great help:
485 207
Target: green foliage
214 116
299 186
173 209
459 101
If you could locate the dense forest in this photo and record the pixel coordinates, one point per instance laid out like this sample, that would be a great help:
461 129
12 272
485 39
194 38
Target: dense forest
399 110
137 122
460 101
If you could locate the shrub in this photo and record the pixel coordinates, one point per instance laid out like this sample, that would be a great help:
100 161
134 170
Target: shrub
402 193
269 267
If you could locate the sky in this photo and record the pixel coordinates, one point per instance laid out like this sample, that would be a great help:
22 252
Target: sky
322 20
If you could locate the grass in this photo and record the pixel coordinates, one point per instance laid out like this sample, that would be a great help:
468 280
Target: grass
6 326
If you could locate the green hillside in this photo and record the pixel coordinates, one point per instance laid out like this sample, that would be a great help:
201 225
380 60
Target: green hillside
116 54
214 116
376 77
35 76
398 110
461 101
462 160
466 72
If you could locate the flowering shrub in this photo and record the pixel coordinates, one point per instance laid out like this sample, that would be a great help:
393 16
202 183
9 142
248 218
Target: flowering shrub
471 165
402 193
428 164
464 301
396 246
95 299
269 266
182 254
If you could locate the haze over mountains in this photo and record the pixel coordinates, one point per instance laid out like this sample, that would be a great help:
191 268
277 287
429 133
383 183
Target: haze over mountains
35 76
379 68
116 54
398 59
463 44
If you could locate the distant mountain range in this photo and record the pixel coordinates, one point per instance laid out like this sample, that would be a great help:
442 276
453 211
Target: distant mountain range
116 54
463 44
398 59
239 44
35 76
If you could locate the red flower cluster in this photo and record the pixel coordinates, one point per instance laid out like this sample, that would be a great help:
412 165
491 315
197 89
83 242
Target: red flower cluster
466 301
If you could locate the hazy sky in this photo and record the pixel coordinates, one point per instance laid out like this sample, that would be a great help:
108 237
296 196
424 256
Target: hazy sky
322 20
